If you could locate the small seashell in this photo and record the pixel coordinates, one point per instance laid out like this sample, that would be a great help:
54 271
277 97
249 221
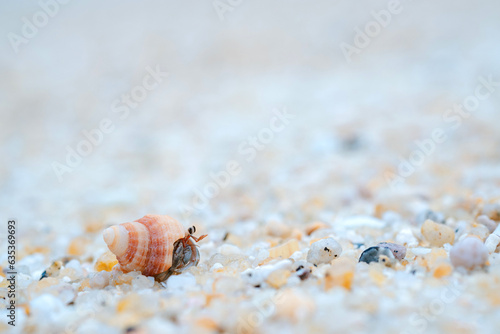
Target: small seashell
377 254
324 251
469 253
398 251
153 245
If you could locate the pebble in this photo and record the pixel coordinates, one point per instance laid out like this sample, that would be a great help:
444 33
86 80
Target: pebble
185 281
302 269
354 237
430 215
224 260
377 254
227 284
480 231
437 234
277 229
53 270
143 282
46 307
442 270
159 325
100 280
42 285
254 277
406 237
77 267
34 262
105 262
285 250
493 240
119 278
91 325
469 253
391 217
23 280
461 228
78 246
310 228
492 210
278 278
341 273
258 275
398 251
228 249
324 251
216 267
294 305
486 221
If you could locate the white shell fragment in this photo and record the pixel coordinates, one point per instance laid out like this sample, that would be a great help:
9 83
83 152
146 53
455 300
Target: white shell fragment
324 251
469 253
258 275
398 251
493 240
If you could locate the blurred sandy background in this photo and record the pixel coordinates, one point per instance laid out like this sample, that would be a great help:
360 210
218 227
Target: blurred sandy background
352 120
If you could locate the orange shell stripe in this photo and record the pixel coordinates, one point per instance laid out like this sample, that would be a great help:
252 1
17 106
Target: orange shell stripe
133 241
163 231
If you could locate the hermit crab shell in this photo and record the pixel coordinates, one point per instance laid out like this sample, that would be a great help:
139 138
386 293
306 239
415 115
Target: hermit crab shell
146 244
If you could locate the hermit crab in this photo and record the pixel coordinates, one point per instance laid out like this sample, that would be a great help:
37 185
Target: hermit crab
155 245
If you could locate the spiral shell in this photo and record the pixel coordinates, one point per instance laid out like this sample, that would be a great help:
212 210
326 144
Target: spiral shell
146 244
